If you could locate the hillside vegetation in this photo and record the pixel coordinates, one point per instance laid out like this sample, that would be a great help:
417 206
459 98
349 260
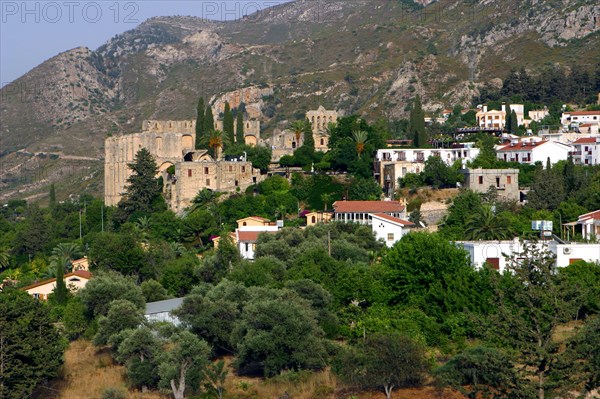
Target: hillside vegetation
369 57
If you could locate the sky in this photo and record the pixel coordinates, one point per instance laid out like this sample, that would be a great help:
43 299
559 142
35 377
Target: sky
34 31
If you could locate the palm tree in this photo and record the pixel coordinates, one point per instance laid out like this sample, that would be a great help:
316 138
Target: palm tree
67 250
215 142
178 249
298 128
360 138
486 225
325 197
143 225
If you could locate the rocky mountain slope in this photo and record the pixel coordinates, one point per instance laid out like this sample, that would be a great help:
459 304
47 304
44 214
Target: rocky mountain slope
366 56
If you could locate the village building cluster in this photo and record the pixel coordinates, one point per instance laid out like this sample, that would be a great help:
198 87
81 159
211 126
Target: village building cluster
186 170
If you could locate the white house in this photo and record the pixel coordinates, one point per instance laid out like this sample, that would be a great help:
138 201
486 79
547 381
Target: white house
247 232
586 151
498 253
590 225
74 281
572 252
579 117
160 311
388 228
532 150
497 118
361 211
392 164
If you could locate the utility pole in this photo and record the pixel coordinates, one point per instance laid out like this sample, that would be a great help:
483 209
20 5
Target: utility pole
80 231
102 216
329 241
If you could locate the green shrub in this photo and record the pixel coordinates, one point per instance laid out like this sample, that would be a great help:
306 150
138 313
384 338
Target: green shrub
113 393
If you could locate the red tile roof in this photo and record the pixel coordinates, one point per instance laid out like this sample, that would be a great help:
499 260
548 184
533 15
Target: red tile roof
586 140
522 146
393 219
77 273
591 215
367 207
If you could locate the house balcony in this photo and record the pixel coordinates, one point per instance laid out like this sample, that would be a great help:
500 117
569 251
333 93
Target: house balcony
501 187
575 153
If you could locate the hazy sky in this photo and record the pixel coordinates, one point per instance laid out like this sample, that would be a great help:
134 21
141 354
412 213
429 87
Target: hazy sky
34 31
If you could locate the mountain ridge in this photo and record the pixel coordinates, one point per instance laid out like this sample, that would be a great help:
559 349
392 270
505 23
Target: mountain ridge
362 56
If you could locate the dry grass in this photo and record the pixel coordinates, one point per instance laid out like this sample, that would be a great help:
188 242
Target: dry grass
88 372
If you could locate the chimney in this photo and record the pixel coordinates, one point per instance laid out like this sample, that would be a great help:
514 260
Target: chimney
485 108
503 107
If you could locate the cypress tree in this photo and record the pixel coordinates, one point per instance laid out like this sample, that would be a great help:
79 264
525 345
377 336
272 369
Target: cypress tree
514 122
507 124
209 121
417 123
60 291
52 196
239 130
199 123
228 123
309 140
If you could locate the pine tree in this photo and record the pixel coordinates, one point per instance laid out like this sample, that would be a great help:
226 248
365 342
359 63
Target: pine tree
143 192
200 123
417 123
228 123
309 140
239 132
60 291
52 196
209 121
514 122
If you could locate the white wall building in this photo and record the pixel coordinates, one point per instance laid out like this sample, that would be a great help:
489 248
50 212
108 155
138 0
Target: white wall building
361 211
388 228
412 160
499 253
586 151
590 225
247 232
532 150
579 117
497 118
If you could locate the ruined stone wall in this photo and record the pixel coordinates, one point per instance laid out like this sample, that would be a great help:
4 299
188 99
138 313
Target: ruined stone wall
251 127
321 118
191 177
162 139
155 126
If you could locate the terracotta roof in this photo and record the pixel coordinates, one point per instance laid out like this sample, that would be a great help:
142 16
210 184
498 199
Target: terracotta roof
580 113
522 146
77 273
591 215
393 219
251 236
367 207
586 140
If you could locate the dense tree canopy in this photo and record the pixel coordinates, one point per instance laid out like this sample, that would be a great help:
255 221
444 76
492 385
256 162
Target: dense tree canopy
31 348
